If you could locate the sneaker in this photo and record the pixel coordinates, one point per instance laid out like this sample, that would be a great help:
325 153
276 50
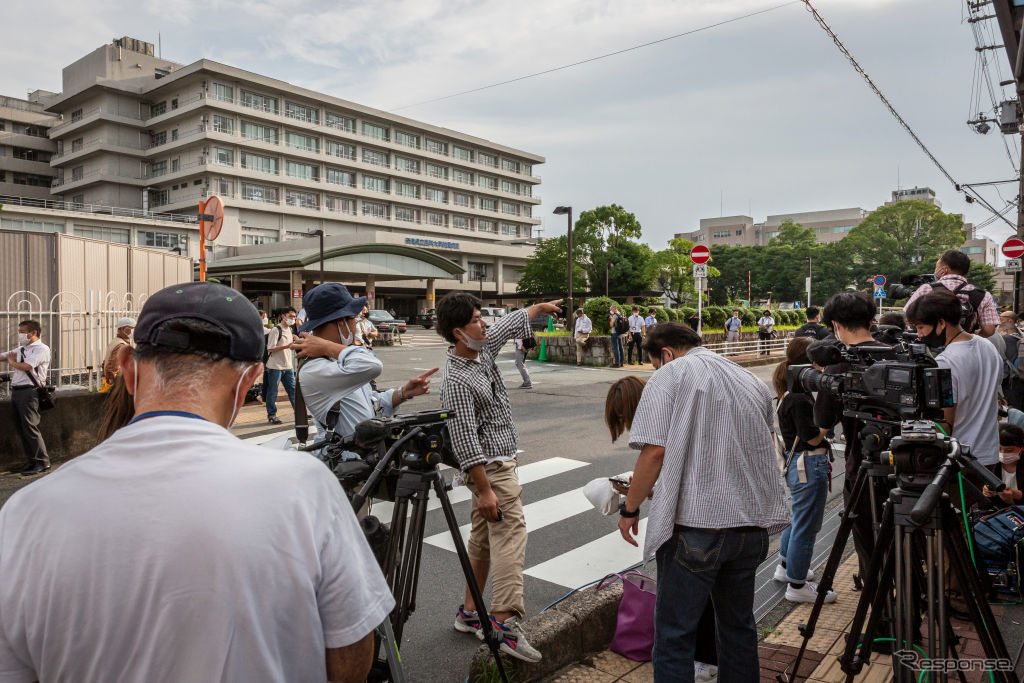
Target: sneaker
807 593
275 420
704 673
780 574
526 385
514 642
467 621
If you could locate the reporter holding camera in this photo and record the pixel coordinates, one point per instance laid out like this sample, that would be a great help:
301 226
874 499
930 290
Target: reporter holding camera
1011 443
976 368
484 441
340 369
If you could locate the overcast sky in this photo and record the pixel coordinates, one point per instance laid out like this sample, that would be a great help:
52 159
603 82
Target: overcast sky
760 116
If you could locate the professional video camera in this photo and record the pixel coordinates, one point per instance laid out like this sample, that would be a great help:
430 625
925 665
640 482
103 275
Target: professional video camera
909 284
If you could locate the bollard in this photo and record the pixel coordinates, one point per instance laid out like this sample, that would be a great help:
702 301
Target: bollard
542 355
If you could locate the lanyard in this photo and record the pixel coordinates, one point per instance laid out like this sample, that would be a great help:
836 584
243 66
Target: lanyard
162 413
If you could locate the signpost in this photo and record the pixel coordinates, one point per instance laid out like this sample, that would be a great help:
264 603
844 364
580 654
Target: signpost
1013 265
1013 248
700 255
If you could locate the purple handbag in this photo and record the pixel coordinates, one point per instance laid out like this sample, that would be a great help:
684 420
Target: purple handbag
634 627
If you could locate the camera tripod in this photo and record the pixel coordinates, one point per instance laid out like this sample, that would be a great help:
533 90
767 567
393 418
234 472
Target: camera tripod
402 552
918 532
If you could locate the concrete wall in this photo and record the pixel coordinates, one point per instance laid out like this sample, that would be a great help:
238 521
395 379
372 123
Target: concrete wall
68 430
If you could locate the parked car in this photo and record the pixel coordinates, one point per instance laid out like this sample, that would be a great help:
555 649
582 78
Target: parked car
383 321
492 315
427 318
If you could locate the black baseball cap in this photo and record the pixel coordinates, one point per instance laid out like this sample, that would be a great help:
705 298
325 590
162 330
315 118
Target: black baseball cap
222 307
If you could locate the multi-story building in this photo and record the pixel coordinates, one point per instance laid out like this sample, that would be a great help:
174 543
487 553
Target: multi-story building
25 149
742 231
926 194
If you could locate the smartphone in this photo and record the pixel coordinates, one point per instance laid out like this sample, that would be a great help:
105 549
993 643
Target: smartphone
620 482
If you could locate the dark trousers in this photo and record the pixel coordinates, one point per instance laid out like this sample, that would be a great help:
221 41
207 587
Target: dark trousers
636 339
616 349
25 406
693 566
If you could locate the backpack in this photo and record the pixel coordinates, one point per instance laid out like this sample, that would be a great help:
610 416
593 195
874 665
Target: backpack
1012 356
621 326
529 343
996 535
969 308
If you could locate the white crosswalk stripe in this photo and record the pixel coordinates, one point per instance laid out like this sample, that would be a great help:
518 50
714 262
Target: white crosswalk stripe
591 561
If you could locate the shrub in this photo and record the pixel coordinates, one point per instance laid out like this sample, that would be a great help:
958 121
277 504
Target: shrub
748 316
714 318
662 314
597 310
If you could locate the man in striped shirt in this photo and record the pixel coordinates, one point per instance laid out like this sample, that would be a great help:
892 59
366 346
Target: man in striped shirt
704 431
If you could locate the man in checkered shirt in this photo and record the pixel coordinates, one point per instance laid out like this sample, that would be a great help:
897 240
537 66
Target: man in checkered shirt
951 269
484 440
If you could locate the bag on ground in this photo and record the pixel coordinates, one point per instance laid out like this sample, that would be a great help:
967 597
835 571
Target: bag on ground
634 627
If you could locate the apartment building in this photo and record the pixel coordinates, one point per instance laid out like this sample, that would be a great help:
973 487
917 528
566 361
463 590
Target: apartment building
25 148
146 134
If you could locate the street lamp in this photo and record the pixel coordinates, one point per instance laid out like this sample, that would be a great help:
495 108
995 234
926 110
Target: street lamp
481 276
567 210
607 265
808 259
320 234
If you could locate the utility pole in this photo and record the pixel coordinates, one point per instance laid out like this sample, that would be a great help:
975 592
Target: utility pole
1017 304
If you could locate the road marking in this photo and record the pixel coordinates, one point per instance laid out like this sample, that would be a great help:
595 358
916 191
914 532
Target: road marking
591 561
264 438
538 515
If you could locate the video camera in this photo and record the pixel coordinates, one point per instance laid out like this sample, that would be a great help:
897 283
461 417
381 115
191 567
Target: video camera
909 284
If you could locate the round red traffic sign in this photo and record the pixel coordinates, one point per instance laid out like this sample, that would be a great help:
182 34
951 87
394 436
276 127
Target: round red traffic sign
701 254
1013 248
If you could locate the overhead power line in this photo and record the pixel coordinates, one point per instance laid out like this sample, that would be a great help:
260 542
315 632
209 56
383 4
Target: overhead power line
969 194
599 57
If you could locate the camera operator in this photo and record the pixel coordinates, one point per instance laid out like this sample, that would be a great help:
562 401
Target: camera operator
484 441
341 370
813 327
951 270
173 551
976 368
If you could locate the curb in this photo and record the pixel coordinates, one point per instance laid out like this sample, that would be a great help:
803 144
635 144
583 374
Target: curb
580 624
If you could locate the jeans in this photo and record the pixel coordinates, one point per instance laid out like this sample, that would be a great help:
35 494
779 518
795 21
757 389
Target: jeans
274 378
808 499
616 349
636 339
693 565
521 366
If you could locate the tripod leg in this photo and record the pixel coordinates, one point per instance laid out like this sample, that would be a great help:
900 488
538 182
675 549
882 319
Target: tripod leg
492 639
392 561
389 644
405 590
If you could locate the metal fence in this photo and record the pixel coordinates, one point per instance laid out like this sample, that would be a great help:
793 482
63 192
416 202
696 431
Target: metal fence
78 333
755 348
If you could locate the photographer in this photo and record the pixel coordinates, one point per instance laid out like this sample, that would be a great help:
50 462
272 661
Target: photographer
813 327
484 441
342 370
951 270
976 368
176 552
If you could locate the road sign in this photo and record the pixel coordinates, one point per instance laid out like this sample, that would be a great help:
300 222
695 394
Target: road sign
1013 248
1013 265
879 292
700 270
700 254
296 293
879 280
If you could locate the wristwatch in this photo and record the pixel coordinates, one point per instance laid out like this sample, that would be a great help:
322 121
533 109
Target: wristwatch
401 393
623 512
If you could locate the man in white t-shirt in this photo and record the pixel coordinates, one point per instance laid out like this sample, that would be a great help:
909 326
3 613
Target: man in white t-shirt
175 552
280 364
976 369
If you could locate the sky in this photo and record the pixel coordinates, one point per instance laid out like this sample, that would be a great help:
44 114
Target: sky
758 116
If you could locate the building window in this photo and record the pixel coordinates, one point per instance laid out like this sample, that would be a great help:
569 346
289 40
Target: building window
261 102
340 149
700 238
485 226
464 177
259 193
159 197
406 214
340 205
336 176
463 200
488 204
462 153
103 233
295 169
156 169
224 93
225 187
971 250
435 171
480 271
487 159
722 233
376 158
259 163
486 182
510 165
528 169
157 139
163 240
372 130
175 165
301 112
223 156
158 109
375 184
303 200
27 154
307 143
434 195
461 222
407 189
375 210
254 131
33 179
842 228
510 187
223 124
437 147
822 231
252 236
340 122
174 135
435 218
510 208
510 229
771 235
29 225
407 139
407 165
76 115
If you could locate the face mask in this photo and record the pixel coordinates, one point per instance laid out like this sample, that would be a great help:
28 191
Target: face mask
346 337
934 339
1008 458
289 321
477 345
22 339
235 405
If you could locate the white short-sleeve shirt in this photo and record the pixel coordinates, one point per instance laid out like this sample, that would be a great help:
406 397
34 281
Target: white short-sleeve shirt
175 552
977 371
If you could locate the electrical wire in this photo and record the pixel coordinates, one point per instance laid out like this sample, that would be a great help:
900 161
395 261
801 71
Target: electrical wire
970 194
598 57
984 37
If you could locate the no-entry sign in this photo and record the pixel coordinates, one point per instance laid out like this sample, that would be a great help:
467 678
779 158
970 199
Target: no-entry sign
701 254
1013 248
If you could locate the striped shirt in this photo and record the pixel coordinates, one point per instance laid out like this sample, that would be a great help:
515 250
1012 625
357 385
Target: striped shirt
715 421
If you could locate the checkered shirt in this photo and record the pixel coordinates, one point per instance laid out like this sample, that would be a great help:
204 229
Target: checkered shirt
987 312
482 430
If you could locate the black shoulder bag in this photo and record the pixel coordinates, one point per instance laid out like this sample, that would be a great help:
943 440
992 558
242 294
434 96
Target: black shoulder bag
44 394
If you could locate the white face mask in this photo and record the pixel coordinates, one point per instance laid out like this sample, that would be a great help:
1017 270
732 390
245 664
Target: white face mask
235 405
477 345
1008 458
346 337
22 339
289 321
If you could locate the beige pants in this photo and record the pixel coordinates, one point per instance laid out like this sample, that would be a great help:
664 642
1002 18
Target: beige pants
502 543
581 342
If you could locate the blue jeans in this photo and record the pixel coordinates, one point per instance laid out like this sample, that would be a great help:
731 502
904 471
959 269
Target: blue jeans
694 565
616 349
797 544
274 378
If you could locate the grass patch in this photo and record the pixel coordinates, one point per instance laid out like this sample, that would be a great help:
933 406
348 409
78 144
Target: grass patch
554 333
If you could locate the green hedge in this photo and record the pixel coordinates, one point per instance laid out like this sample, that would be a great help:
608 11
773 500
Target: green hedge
597 311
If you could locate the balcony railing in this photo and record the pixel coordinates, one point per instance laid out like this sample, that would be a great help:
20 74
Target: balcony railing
94 208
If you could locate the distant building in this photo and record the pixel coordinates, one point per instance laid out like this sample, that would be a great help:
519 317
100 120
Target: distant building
926 194
25 148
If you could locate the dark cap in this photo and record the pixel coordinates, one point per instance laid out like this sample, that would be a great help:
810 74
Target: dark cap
210 302
328 302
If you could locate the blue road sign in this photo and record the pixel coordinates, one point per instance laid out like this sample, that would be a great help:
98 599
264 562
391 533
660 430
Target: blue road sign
880 281
879 292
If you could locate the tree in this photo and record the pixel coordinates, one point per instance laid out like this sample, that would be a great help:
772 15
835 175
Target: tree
902 238
545 271
982 276
672 269
629 268
605 225
794 235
